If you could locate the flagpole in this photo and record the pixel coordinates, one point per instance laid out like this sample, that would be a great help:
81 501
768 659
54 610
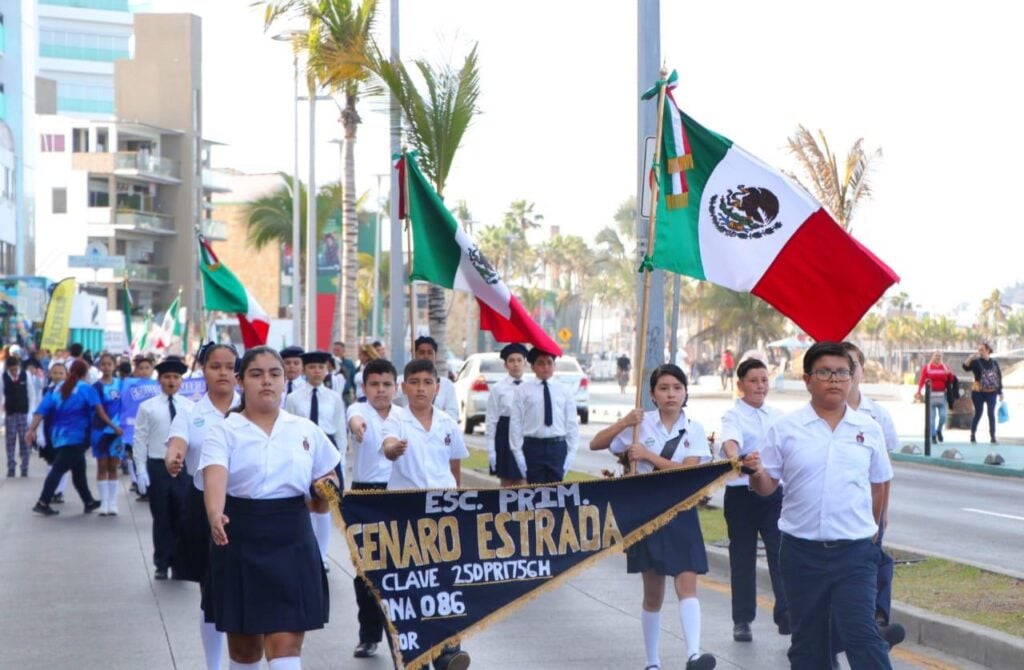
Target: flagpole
646 267
202 290
408 245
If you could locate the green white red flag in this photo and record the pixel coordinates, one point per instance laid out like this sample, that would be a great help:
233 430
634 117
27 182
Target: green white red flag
747 227
223 292
445 255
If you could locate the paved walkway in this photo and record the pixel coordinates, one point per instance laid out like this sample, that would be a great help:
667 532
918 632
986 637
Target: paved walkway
76 591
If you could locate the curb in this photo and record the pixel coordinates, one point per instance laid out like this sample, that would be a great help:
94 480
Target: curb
956 637
938 462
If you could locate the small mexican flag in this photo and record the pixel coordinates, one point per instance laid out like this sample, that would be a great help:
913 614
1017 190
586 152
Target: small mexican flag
126 309
748 228
444 255
223 292
172 318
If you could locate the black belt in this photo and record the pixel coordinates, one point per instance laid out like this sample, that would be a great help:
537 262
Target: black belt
824 544
545 440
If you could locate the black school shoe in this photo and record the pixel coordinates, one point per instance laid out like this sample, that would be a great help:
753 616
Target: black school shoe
701 662
91 505
44 509
365 650
160 573
58 499
741 633
457 661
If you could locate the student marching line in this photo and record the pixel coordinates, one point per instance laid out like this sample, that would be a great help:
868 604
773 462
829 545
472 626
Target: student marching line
266 583
667 438
188 431
500 404
325 408
543 432
747 514
292 358
371 470
834 463
446 400
166 494
69 409
426 447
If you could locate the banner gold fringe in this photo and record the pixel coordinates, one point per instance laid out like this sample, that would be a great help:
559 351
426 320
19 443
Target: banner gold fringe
632 538
677 201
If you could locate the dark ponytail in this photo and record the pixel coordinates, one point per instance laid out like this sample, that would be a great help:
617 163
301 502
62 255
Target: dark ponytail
79 370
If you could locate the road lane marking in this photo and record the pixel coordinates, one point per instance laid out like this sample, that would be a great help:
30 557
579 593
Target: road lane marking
998 514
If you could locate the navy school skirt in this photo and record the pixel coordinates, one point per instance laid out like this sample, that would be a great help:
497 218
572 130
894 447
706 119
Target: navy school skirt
269 577
192 550
505 464
675 548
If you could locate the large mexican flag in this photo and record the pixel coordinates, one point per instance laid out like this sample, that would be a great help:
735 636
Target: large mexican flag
223 292
739 223
446 256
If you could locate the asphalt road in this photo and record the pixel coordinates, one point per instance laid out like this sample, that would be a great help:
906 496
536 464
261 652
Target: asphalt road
967 517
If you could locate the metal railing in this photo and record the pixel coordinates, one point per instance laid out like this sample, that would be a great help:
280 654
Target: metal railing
145 220
143 161
144 273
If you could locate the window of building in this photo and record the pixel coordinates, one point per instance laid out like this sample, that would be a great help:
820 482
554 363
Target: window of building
102 140
82 46
60 201
99 193
52 143
93 99
8 183
80 140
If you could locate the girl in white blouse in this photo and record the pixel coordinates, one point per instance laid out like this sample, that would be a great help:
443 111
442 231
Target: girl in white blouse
266 582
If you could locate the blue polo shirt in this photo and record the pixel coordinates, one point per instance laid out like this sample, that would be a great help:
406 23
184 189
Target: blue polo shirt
69 420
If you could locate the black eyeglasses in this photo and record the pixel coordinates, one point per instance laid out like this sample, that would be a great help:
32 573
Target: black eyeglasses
827 374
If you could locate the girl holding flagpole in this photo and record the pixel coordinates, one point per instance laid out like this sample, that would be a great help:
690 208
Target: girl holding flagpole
266 585
663 439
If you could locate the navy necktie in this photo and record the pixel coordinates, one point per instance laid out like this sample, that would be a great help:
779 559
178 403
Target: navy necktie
549 417
170 406
517 382
289 387
314 408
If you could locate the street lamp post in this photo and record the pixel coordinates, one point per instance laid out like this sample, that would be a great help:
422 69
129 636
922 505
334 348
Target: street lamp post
376 328
291 36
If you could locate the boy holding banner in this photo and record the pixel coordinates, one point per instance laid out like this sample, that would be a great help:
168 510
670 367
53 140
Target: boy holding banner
426 447
371 471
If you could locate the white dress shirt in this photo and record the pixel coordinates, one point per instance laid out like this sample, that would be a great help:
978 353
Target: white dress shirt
445 400
370 466
653 435
153 427
330 413
745 424
192 427
884 419
828 473
281 465
426 463
296 383
500 398
527 418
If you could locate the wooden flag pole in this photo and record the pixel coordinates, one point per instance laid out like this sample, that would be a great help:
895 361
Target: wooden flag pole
646 267
408 245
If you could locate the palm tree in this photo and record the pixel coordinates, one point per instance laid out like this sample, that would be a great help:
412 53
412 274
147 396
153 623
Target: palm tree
840 193
522 214
437 117
339 42
743 316
993 313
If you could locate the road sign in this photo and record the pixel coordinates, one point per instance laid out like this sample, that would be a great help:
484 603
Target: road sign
565 335
96 262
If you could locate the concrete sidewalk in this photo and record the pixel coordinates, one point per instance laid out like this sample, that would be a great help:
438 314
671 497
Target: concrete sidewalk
76 591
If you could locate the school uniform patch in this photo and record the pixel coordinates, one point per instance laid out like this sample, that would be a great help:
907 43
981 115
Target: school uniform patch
199 422
860 438
448 440
305 444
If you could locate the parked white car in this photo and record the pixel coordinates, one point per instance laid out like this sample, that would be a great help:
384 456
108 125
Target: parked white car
480 371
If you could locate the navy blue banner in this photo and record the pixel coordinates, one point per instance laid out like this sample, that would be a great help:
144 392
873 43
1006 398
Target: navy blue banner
443 563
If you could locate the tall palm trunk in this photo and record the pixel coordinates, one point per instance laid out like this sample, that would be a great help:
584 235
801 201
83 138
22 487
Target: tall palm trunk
348 295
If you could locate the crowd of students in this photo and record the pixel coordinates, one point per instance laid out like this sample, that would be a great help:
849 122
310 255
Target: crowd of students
232 479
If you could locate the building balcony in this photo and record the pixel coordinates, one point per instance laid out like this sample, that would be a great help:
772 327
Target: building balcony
216 181
144 222
143 273
146 166
215 230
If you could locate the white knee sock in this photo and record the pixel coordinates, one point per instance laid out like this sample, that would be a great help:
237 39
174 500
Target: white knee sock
322 530
689 617
102 486
286 663
63 483
651 623
213 643
131 471
235 665
112 495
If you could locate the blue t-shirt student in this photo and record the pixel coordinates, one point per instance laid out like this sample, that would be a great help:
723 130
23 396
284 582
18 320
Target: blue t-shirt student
110 398
69 420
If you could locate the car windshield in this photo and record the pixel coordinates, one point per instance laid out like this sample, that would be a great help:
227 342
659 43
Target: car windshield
571 367
492 365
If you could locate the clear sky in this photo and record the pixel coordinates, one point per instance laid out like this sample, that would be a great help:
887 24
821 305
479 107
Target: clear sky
935 85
